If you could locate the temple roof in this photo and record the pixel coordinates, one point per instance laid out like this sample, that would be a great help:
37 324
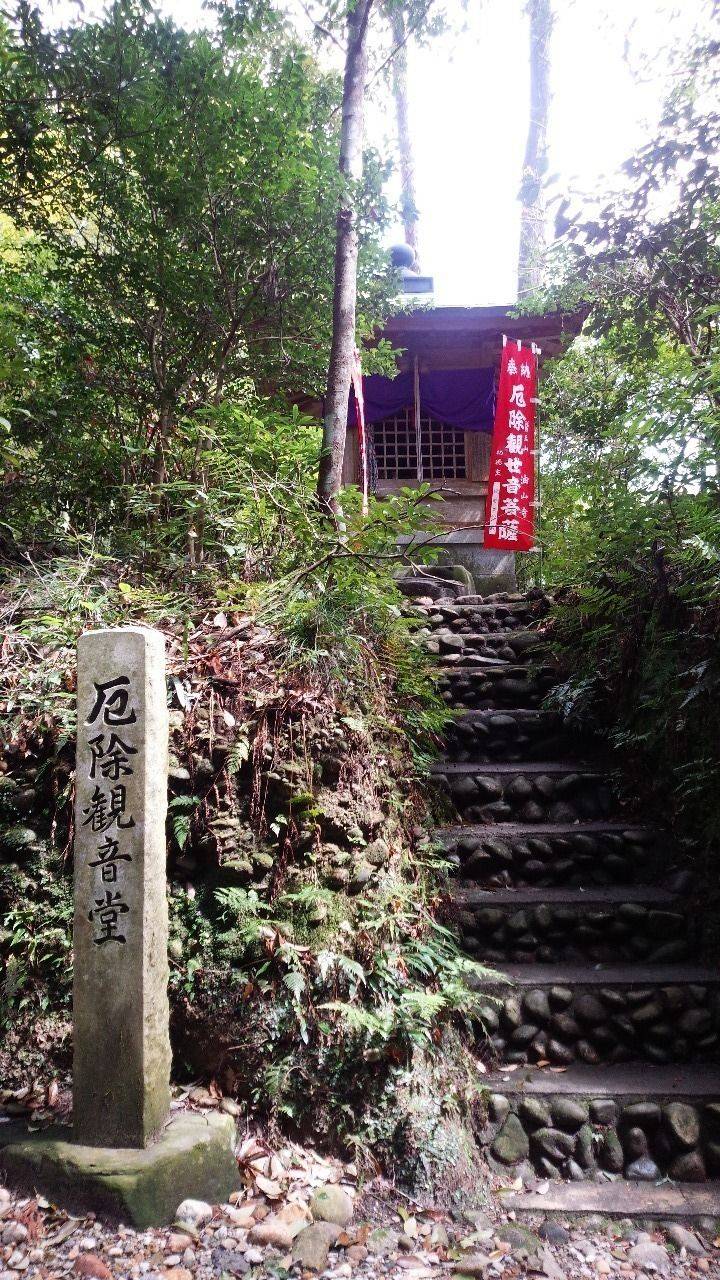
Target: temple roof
468 337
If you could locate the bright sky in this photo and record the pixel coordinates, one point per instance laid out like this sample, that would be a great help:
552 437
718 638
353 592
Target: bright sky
468 97
468 105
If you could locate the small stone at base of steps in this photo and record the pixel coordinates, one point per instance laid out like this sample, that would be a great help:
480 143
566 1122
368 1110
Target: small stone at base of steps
684 1239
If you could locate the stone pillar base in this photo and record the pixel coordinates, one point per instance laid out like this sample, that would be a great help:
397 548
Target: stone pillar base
192 1158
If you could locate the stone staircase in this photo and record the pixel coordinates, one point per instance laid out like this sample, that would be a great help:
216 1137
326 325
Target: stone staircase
601 1049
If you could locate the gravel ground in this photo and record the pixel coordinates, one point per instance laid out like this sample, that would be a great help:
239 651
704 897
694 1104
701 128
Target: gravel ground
278 1225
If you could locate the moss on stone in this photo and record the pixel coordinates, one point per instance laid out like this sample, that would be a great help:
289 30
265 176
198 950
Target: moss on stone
192 1157
511 1144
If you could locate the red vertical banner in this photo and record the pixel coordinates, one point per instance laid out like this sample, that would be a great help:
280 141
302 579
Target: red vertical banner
510 504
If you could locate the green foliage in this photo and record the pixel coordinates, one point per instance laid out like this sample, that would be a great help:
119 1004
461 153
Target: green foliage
632 413
643 641
365 989
181 809
340 609
35 942
417 977
631 459
36 907
167 205
173 198
160 306
241 910
622 440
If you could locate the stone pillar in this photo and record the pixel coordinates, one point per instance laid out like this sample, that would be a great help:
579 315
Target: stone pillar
121 1071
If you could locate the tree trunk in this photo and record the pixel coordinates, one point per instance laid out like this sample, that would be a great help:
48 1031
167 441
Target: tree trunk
165 421
342 351
532 215
408 200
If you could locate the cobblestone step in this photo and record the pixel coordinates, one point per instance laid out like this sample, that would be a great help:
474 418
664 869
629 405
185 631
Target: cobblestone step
638 1121
583 899
493 683
637 830
471 664
552 791
464 615
506 768
546 854
581 913
513 646
575 925
626 1082
614 975
513 735
562 1013
518 639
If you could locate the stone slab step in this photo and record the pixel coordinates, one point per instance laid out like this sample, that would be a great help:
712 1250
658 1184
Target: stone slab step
681 1201
457 830
554 767
483 663
627 1080
510 602
594 896
530 714
611 975
462 606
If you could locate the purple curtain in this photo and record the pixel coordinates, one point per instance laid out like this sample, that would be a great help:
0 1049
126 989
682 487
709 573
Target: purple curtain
463 398
459 397
383 397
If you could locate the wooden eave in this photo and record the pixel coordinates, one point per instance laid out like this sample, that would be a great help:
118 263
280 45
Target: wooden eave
471 337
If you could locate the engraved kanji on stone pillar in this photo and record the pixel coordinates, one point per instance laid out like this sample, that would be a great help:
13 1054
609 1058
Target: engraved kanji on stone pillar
121 1071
